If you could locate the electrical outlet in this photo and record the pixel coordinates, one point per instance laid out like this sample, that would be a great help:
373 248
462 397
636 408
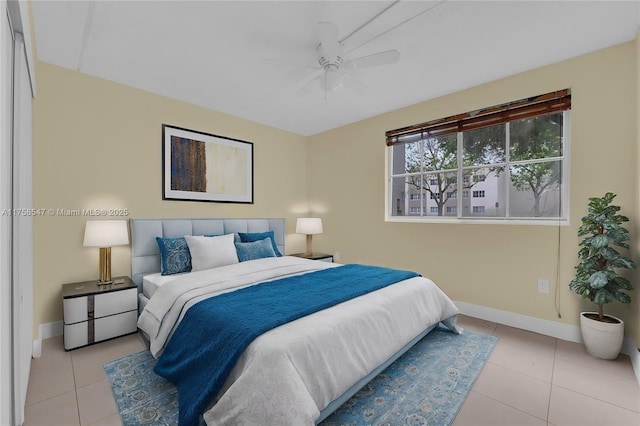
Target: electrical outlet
543 285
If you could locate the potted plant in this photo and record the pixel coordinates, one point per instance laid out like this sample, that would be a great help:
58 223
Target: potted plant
598 275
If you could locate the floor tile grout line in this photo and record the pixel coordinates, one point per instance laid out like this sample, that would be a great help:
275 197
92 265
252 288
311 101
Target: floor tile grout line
508 405
75 388
630 376
596 399
520 372
553 372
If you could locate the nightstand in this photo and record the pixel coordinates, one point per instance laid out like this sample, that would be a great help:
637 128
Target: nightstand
93 312
323 257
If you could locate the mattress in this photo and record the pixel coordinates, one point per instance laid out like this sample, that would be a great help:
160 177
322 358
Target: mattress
151 282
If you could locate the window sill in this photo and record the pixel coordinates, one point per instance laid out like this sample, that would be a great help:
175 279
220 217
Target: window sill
479 221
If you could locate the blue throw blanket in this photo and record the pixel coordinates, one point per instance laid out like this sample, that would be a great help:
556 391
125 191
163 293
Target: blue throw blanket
215 332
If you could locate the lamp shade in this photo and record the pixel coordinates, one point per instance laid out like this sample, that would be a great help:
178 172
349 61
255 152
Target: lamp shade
309 225
105 233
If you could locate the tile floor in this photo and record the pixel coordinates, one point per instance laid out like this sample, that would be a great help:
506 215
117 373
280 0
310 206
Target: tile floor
530 379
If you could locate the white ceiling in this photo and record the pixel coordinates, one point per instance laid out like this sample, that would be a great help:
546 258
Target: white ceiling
251 58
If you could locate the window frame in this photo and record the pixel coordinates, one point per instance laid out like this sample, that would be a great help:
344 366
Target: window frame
459 216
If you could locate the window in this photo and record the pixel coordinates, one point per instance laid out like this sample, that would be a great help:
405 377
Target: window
415 197
512 156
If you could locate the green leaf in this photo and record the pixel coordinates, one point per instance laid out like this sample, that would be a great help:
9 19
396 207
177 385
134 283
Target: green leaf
623 283
609 253
599 241
623 297
623 262
601 297
598 279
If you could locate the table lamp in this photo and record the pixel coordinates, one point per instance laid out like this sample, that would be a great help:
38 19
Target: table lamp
309 226
104 234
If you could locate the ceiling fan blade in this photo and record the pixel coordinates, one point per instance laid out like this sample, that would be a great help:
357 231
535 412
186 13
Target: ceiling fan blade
381 58
291 69
308 87
329 42
354 84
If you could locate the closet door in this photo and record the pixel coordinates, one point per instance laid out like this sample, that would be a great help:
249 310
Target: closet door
7 404
22 226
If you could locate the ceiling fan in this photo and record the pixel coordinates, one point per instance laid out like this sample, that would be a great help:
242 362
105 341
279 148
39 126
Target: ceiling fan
335 70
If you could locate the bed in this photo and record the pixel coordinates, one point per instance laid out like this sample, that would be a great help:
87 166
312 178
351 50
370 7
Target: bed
303 369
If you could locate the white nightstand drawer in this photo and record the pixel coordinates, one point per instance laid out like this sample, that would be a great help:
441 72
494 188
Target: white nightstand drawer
115 302
76 335
86 332
75 310
116 325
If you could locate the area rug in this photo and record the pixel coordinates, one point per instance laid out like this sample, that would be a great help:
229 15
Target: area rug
425 386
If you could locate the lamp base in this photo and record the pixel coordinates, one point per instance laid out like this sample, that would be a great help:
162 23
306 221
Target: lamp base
309 244
105 266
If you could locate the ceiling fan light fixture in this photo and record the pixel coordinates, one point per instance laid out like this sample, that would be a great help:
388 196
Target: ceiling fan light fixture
332 80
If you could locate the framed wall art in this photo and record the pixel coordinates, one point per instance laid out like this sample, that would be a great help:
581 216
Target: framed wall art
200 166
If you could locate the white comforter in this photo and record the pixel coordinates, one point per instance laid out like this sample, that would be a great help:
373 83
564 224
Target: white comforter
289 374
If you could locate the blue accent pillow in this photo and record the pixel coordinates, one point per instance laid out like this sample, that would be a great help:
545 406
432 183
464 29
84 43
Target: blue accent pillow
255 250
175 256
257 236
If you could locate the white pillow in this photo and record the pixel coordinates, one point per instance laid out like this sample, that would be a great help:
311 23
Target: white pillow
211 252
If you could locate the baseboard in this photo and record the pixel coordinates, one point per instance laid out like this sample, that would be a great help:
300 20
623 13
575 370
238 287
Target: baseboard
630 348
45 331
558 330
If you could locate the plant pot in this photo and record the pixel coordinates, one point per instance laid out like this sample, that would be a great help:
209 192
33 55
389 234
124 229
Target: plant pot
602 339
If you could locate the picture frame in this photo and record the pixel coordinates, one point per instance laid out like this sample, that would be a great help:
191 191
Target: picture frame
198 166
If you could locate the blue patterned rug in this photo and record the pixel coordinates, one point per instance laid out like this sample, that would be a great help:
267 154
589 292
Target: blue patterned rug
425 386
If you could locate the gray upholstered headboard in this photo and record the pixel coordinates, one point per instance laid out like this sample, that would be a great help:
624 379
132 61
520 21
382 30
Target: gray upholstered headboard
145 255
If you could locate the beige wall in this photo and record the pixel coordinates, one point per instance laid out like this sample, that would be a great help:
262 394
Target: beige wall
490 265
97 144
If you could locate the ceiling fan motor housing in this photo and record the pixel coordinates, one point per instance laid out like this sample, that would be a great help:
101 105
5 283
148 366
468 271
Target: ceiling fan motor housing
331 63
